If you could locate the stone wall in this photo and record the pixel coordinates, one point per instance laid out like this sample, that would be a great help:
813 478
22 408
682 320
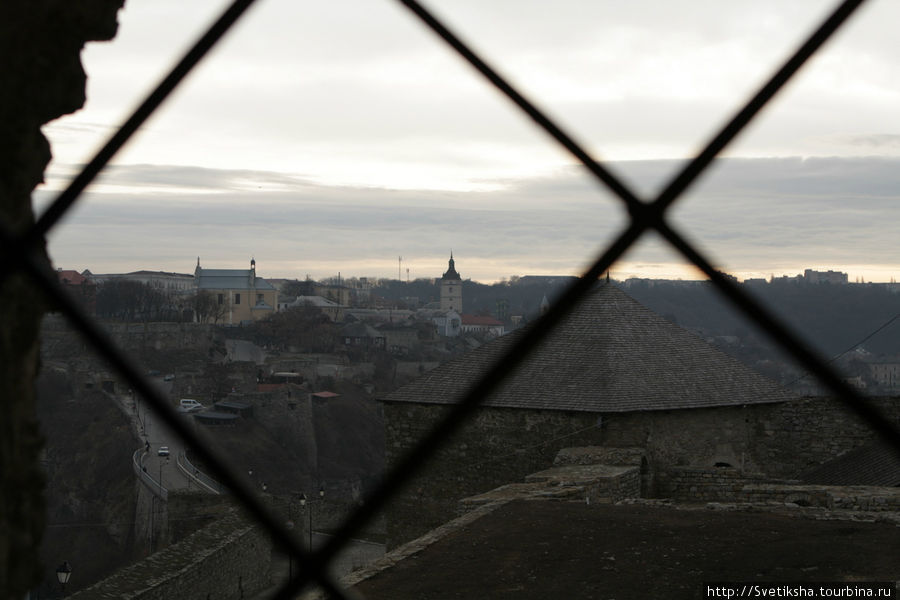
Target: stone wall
227 560
600 484
287 414
700 484
791 438
190 510
499 446
780 440
857 497
690 484
141 336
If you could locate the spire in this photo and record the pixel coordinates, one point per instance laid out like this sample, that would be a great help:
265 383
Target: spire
451 270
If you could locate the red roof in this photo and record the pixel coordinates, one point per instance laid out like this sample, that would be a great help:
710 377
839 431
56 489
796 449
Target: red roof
325 395
478 320
70 277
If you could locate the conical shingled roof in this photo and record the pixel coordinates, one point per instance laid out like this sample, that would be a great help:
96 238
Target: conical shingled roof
611 354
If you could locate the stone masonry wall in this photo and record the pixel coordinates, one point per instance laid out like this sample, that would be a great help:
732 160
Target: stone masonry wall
791 438
698 484
498 446
689 484
780 440
600 484
227 560
503 445
141 336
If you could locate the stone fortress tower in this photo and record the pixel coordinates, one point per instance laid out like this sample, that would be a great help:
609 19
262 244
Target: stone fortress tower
451 288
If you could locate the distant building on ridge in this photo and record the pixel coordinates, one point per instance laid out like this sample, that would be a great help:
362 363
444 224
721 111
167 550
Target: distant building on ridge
244 296
836 277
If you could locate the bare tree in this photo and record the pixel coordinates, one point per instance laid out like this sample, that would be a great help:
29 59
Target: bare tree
130 301
209 307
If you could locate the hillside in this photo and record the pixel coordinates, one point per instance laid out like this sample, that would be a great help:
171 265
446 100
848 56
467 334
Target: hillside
90 485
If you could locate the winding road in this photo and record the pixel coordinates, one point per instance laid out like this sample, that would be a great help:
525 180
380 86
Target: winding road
155 435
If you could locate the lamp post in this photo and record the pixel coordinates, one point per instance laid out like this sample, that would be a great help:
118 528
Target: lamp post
290 527
63 572
294 498
160 474
309 512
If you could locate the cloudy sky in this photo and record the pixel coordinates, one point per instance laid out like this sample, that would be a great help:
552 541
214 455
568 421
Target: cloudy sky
334 137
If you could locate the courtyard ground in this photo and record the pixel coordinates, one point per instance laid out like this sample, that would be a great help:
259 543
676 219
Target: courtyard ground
548 550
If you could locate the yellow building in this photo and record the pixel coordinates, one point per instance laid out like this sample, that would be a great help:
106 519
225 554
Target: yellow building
238 293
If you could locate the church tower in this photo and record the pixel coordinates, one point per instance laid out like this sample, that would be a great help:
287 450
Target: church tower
451 289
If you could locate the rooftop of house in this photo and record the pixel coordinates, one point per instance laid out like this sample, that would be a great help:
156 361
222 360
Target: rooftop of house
611 354
358 329
71 277
137 274
876 463
230 279
317 301
480 320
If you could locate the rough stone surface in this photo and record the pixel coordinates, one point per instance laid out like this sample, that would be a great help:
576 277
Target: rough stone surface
502 445
704 484
228 559
41 78
600 455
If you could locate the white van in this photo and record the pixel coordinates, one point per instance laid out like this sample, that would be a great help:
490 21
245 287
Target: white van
187 405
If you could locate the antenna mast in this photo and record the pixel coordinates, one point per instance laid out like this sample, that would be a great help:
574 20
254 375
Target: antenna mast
399 267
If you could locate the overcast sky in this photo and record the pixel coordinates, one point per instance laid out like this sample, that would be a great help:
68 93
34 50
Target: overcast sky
334 137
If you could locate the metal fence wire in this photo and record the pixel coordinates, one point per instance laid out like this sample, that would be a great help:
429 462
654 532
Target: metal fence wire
644 215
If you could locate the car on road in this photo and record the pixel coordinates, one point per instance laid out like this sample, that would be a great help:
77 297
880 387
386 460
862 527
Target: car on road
163 451
187 405
169 377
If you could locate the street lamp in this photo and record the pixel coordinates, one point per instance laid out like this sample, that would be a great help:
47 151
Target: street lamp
309 512
290 527
63 572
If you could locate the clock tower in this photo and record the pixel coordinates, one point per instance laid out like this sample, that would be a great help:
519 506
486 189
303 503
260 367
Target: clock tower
451 289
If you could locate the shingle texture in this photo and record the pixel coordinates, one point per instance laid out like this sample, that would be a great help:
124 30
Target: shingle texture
610 354
873 464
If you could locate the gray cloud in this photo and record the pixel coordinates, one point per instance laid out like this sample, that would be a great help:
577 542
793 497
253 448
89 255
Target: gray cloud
756 215
882 140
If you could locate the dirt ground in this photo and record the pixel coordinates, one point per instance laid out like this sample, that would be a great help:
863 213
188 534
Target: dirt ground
552 550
